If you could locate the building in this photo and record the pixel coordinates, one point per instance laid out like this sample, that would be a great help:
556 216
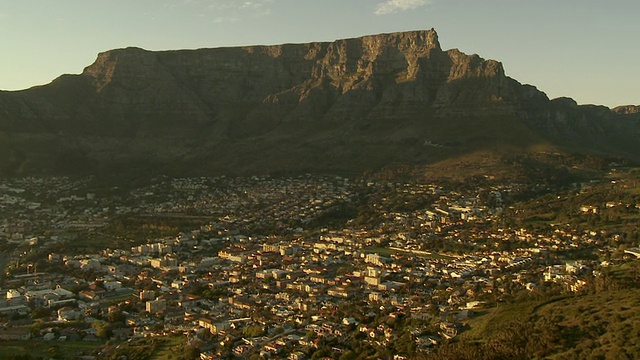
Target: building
15 333
147 295
156 306
213 327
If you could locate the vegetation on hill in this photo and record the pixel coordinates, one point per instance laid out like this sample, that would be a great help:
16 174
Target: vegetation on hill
610 205
599 322
602 322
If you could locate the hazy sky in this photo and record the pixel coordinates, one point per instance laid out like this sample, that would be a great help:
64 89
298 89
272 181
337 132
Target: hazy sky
585 49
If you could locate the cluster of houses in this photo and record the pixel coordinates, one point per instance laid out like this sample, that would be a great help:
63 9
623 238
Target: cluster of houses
300 287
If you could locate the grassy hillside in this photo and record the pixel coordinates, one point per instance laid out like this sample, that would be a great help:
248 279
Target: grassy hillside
601 323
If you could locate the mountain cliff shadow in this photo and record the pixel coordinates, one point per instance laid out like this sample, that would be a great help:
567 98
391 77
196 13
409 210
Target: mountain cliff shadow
323 107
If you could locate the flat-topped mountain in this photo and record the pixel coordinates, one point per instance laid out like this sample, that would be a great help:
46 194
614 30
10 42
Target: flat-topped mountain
345 106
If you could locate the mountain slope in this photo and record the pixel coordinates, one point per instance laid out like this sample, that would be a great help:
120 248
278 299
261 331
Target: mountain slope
349 105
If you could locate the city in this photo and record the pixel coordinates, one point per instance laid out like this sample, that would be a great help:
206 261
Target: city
299 267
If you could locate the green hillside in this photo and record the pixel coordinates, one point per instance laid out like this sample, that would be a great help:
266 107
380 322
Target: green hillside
601 323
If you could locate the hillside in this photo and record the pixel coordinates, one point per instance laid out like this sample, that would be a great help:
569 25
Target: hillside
346 106
599 323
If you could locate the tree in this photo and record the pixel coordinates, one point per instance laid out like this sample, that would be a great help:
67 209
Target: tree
103 329
349 355
116 316
40 312
190 353
254 330
320 353
54 352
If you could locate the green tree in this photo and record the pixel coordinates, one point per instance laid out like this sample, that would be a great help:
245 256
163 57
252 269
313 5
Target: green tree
190 353
103 329
116 316
349 355
54 352
254 330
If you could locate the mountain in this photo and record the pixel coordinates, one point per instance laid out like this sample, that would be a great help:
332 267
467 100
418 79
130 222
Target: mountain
345 106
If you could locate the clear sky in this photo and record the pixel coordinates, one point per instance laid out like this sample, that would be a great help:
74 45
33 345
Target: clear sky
585 49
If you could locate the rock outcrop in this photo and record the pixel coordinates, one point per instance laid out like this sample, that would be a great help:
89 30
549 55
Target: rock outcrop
348 105
627 110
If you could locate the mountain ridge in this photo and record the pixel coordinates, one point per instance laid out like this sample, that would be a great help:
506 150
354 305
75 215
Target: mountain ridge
347 105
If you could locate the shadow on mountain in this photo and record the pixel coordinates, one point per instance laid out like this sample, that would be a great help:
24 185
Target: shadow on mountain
344 107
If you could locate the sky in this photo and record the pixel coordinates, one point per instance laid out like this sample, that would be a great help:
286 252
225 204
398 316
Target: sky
584 49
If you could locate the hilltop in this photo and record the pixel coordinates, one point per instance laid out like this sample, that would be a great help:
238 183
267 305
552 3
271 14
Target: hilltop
346 106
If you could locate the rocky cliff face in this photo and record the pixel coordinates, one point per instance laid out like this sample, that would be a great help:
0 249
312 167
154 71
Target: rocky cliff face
627 110
351 104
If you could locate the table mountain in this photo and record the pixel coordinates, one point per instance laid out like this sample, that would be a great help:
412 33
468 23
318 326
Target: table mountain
344 106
